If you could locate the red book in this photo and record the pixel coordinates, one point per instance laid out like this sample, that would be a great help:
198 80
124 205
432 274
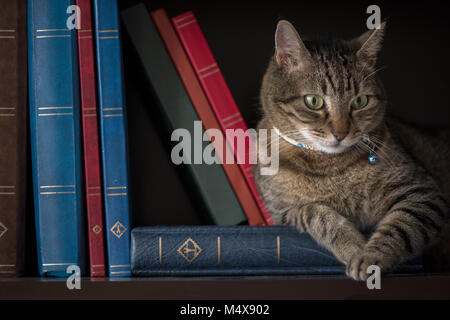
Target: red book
89 111
205 113
219 95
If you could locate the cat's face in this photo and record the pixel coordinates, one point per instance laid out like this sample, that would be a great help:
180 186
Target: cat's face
326 95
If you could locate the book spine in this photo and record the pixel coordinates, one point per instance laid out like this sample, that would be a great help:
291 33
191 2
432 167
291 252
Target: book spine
205 113
219 95
55 137
13 132
207 181
89 114
113 133
240 250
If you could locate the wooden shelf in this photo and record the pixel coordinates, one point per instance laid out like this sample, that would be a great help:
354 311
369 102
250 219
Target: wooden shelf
228 288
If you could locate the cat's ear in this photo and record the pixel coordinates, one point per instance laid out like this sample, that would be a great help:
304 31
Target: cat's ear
368 45
291 52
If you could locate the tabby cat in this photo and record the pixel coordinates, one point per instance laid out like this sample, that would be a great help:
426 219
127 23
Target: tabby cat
363 172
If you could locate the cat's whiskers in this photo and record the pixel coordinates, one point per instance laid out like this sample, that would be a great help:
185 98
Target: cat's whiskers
373 73
382 145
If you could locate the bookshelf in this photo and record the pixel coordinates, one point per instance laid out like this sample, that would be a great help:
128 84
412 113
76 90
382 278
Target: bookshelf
241 37
229 288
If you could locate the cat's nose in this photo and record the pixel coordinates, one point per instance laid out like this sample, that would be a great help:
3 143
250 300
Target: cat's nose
340 135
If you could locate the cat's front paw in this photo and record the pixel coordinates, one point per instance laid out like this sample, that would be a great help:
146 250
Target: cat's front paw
358 265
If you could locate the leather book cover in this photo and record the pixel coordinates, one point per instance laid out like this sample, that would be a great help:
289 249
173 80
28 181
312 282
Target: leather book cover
89 116
113 136
56 147
205 112
13 135
233 251
208 183
219 96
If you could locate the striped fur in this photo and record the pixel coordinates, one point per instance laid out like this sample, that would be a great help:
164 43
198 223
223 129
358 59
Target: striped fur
338 197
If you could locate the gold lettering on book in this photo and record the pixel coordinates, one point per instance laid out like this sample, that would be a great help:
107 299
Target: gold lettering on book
160 250
233 122
119 265
207 67
119 272
61 186
209 73
184 18
59 192
218 250
51 108
112 115
189 250
97 229
3 229
118 229
278 249
186 24
54 114
8 36
234 115
55 36
51 30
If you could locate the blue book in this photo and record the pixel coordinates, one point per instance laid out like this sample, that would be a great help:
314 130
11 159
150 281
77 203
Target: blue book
113 136
234 250
55 137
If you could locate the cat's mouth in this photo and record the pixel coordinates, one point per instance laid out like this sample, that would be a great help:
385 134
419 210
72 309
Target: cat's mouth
332 146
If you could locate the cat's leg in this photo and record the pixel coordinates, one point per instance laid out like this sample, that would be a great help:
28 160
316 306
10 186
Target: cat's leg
327 227
414 220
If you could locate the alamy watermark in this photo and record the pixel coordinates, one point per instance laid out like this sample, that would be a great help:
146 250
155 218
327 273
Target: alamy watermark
235 146
74 279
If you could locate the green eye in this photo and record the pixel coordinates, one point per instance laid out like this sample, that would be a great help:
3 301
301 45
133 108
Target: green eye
360 102
313 102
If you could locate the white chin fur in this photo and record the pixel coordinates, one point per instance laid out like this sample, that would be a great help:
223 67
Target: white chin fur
330 149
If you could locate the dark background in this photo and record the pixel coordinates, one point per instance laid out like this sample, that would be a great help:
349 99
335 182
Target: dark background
240 33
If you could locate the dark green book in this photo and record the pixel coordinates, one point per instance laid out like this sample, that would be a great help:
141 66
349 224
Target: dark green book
208 181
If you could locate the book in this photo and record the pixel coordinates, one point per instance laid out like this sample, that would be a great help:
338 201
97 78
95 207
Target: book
220 98
205 113
89 115
113 135
208 182
55 138
232 251
13 136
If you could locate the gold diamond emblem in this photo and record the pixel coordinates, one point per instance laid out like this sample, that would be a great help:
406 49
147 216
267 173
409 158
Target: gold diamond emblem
3 229
118 229
189 250
97 229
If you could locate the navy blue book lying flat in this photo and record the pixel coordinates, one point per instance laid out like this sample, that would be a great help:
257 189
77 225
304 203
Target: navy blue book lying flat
237 250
